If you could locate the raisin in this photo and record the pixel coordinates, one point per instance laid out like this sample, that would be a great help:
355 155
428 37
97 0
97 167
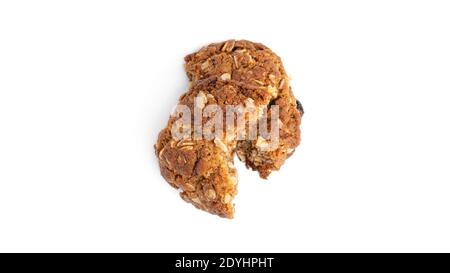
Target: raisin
299 106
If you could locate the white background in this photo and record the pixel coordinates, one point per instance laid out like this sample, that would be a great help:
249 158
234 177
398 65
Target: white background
85 87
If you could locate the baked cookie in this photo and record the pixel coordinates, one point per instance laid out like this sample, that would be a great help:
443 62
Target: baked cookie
243 61
204 169
253 152
250 78
253 64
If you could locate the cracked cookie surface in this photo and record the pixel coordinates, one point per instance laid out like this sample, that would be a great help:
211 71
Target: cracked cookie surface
254 64
231 73
204 169
243 61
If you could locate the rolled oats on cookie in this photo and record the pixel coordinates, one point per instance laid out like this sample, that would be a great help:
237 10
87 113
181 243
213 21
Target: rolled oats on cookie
239 102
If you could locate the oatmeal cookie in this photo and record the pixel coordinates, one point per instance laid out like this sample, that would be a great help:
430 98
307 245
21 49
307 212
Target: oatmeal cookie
238 74
204 169
253 64
253 152
243 61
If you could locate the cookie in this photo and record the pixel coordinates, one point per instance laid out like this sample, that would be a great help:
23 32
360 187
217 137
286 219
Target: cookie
250 79
243 61
204 169
253 64
252 151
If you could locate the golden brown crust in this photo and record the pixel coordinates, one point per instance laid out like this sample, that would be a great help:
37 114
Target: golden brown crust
243 61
